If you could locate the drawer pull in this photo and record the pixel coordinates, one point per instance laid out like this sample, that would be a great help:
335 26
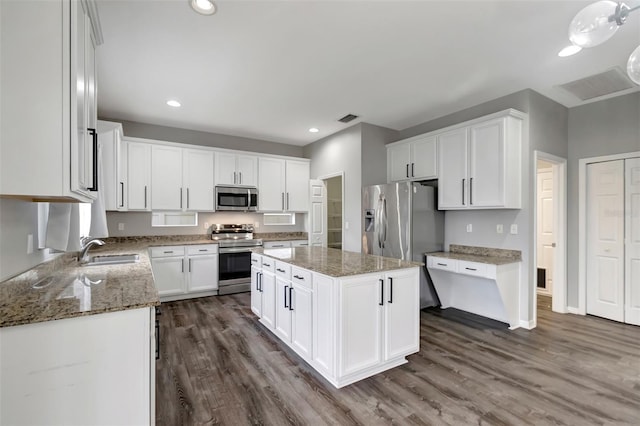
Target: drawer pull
278 245
254 260
471 269
442 264
203 249
266 264
298 277
279 270
168 252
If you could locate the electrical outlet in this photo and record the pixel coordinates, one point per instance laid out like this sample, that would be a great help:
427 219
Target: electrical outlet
206 225
514 229
120 226
499 228
256 225
346 225
29 243
469 227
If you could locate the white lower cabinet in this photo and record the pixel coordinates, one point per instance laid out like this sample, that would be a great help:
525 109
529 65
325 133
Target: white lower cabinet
346 328
182 272
88 370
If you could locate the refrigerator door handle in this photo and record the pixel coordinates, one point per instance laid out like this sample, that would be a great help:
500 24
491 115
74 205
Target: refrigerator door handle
384 221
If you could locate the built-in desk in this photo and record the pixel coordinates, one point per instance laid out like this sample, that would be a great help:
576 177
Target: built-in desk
482 281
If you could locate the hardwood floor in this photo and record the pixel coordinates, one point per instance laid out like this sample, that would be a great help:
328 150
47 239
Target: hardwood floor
220 366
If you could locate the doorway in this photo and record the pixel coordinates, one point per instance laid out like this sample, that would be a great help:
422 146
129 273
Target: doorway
550 237
334 212
326 224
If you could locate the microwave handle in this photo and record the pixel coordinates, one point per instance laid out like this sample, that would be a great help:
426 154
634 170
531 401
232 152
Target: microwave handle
248 199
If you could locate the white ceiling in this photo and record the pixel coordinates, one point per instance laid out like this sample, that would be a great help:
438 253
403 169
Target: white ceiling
272 69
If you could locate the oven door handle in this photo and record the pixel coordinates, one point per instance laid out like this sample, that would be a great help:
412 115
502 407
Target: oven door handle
236 250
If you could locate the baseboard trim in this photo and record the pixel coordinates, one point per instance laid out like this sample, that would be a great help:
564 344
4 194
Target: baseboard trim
529 325
572 310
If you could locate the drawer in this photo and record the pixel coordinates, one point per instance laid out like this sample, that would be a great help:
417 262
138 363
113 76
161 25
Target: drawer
300 243
268 264
277 244
166 251
195 250
256 260
283 270
301 276
472 268
442 263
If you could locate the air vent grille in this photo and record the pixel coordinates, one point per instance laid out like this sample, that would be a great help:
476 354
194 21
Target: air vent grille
347 118
597 85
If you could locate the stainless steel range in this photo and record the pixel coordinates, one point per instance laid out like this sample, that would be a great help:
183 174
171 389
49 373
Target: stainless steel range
234 260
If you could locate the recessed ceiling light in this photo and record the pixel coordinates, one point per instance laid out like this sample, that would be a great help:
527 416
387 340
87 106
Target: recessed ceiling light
569 50
314 130
203 7
173 103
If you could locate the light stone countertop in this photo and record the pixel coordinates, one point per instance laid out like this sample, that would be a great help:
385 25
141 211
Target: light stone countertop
488 255
336 263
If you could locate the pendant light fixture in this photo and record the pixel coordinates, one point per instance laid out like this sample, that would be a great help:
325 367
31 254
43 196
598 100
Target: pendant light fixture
597 23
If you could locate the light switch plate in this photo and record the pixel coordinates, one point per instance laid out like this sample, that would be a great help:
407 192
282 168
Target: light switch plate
469 227
499 228
346 225
121 227
206 225
514 229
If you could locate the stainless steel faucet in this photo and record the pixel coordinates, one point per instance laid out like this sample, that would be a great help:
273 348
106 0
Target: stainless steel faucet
87 243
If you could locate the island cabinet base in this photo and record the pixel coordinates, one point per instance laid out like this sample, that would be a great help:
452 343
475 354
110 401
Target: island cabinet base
346 328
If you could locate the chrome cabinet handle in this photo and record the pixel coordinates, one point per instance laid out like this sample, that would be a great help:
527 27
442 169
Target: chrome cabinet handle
471 191
234 177
288 201
412 170
189 265
240 178
182 264
180 197
187 197
283 201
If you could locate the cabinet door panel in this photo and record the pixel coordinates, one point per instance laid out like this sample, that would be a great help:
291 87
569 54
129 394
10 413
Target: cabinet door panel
402 314
297 197
283 314
360 323
247 168
166 178
272 184
268 299
301 321
452 184
168 275
256 294
486 164
203 272
424 160
198 180
398 162
225 169
138 175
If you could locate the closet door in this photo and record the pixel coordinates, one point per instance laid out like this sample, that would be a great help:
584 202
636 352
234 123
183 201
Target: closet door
605 239
632 236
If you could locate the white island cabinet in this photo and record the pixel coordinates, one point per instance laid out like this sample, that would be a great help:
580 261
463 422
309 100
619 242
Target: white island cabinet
348 315
88 370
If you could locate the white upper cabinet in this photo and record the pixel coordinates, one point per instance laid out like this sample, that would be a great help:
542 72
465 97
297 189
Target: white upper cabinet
480 164
113 165
138 176
283 185
198 179
412 159
236 169
48 152
166 178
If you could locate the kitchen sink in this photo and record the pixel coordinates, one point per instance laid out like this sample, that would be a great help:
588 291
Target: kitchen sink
113 259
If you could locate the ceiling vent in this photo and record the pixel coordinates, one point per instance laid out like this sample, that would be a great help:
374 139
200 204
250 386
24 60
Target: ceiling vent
347 118
597 85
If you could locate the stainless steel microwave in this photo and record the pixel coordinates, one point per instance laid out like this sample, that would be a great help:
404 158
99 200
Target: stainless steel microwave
236 198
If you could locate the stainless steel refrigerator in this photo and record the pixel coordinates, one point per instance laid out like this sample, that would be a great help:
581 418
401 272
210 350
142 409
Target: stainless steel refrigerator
401 220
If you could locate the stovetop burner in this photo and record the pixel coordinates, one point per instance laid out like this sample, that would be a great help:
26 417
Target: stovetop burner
234 235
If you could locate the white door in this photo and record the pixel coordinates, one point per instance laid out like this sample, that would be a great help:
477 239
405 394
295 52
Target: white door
168 275
424 158
271 184
401 314
486 164
203 272
256 293
398 162
268 286
632 251
247 168
301 320
605 239
198 179
283 313
318 213
138 175
453 182
225 169
545 225
297 197
166 178
361 304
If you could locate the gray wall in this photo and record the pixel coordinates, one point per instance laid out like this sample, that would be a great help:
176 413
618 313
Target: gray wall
341 152
139 223
17 220
194 137
607 127
374 153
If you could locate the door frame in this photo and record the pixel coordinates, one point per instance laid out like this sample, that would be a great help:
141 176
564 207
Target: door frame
559 289
324 178
582 223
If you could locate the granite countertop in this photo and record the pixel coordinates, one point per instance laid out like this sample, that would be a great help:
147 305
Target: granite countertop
488 255
281 236
334 262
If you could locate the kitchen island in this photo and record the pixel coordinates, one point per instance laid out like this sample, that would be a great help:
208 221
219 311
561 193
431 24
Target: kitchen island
348 315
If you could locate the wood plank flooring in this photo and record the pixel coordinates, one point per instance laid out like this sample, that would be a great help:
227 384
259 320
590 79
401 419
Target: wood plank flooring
220 366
